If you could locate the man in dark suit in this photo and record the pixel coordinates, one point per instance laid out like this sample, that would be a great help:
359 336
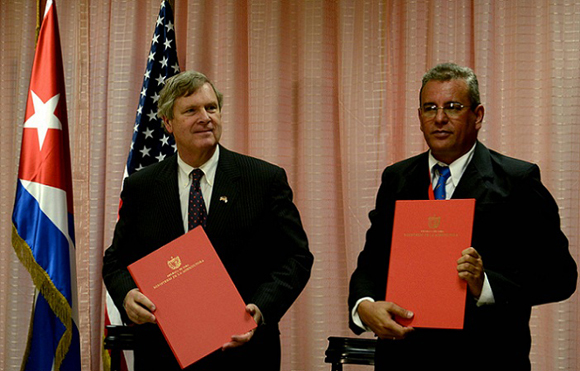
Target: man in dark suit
518 258
249 218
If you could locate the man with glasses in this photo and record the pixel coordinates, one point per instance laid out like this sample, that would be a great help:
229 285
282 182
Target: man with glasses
518 257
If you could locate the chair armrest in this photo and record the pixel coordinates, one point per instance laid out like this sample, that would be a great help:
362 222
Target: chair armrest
121 337
344 350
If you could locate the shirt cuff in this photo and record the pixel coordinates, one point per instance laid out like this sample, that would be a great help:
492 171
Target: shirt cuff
356 318
486 297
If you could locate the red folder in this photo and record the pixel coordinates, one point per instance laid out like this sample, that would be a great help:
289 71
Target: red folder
428 238
198 306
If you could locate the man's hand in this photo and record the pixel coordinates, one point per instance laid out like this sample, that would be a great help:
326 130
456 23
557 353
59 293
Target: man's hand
239 340
380 317
139 308
470 269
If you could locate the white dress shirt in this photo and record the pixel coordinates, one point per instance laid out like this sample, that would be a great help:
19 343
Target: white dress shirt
206 183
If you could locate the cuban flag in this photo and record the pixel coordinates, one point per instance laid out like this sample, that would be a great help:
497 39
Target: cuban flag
43 228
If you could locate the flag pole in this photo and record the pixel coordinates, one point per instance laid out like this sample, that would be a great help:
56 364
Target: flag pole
38 20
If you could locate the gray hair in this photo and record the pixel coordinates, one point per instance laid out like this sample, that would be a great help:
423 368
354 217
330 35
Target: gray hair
451 71
182 85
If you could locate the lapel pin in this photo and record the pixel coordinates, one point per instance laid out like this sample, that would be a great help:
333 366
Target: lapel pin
224 199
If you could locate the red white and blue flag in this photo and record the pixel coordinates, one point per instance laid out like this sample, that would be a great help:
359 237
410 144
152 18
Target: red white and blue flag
150 143
43 228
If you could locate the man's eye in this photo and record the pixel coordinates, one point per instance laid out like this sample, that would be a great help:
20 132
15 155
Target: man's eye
454 106
430 108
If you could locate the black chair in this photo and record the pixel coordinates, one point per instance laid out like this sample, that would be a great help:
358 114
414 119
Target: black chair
120 338
343 350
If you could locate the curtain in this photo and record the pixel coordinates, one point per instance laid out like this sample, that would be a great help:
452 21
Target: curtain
326 89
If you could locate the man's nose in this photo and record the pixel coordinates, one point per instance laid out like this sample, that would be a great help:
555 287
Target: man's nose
204 116
441 116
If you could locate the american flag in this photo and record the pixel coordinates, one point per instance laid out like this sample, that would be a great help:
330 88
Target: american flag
150 143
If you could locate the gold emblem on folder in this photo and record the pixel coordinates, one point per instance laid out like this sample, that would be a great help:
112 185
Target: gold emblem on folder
434 222
174 263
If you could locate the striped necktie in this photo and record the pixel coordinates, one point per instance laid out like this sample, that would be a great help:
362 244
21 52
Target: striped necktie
444 174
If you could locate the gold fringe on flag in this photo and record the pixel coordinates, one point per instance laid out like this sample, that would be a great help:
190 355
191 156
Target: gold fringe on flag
48 290
106 357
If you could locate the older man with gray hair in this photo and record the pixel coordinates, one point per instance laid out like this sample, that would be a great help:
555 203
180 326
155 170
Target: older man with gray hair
246 209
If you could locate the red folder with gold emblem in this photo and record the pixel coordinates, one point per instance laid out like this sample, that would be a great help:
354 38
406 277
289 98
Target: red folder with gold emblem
198 308
428 238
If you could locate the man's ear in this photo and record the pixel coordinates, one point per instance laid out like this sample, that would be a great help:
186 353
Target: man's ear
479 113
167 125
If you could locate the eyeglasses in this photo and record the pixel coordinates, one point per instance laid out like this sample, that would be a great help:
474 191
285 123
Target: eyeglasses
451 110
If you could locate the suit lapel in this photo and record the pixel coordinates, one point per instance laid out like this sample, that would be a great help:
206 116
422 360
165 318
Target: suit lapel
417 180
169 206
225 193
476 176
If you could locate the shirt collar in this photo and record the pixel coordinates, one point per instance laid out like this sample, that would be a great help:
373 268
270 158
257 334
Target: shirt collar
209 168
457 167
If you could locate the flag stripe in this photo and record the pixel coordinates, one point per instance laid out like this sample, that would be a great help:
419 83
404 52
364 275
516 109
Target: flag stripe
36 228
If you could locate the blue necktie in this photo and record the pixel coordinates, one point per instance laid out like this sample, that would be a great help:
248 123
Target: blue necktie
444 174
197 212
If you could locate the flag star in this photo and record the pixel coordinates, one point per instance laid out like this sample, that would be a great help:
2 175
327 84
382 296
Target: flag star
155 97
175 68
147 74
174 147
155 39
148 133
145 151
159 20
164 141
144 92
167 43
43 117
163 62
151 56
160 157
169 26
139 167
152 115
139 110
160 80
136 127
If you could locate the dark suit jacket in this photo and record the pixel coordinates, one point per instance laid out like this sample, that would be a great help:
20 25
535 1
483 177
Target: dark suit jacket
525 256
257 233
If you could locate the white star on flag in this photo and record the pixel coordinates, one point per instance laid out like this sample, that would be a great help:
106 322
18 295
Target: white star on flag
148 133
44 117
